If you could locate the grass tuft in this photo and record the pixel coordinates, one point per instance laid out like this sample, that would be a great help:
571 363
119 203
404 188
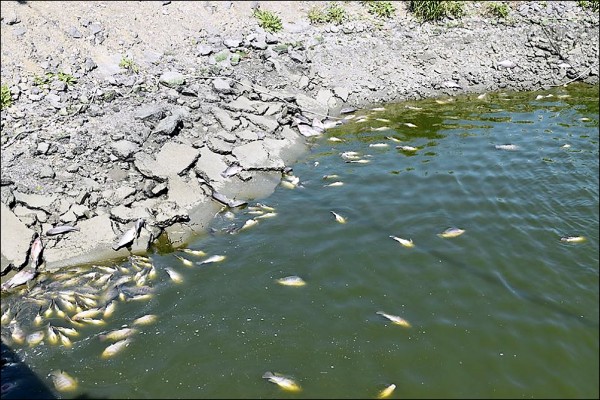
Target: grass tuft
381 9
267 20
431 10
6 98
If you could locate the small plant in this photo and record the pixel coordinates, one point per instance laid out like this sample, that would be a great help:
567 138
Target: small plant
498 10
67 78
6 98
593 4
44 79
431 10
267 20
381 9
336 14
222 56
129 65
316 16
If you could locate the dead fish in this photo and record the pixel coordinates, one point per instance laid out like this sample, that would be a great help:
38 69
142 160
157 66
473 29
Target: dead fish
65 340
38 320
410 125
267 215
334 139
212 259
361 161
36 251
482 96
381 128
393 139
291 281
308 131
378 109
6 317
126 239
35 338
227 201
232 170
288 184
145 320
175 276
22 277
109 309
350 155
283 382
338 217
265 207
332 176
115 348
63 382
185 261
93 321
508 147
395 319
197 253
347 110
90 313
118 334
333 184
407 148
573 239
67 331
51 334
413 108
565 146
328 124
385 393
57 230
382 119
378 145
404 242
349 117
249 223
17 334
451 233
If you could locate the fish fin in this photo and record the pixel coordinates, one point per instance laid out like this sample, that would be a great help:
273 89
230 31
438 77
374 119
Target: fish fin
268 375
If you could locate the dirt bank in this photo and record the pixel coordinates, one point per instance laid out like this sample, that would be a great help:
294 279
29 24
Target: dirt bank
125 111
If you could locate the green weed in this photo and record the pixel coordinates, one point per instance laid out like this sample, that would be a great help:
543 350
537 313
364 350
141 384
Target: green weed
6 98
381 9
593 4
267 20
44 79
129 65
431 10
335 14
67 78
222 56
499 10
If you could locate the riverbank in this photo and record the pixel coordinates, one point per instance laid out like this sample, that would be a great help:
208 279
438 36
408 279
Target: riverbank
126 110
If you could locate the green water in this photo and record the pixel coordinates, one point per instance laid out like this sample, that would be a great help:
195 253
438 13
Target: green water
506 310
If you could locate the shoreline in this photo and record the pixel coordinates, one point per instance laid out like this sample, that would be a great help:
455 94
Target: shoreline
119 145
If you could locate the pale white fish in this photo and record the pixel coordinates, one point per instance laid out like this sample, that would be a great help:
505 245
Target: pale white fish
334 139
378 145
382 119
291 281
362 119
387 392
283 382
451 233
213 259
90 313
410 125
185 261
63 382
381 128
339 218
337 183
197 253
584 119
33 339
118 334
115 348
93 321
348 117
51 335
65 340
393 139
249 223
378 109
508 147
444 101
361 161
332 176
404 242
255 212
175 276
6 317
267 215
407 148
413 108
287 184
482 96
573 239
17 334
145 320
67 331
109 309
565 146
395 319
265 207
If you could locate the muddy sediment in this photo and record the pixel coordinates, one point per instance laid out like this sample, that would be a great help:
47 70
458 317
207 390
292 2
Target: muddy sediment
160 111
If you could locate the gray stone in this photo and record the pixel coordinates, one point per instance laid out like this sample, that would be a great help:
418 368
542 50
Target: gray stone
121 193
169 125
222 86
256 155
204 50
124 214
42 148
150 112
267 123
226 121
218 145
232 43
209 166
95 28
168 213
47 171
74 33
172 79
124 148
15 239
39 201
80 211
341 92
173 159
242 103
310 107
186 193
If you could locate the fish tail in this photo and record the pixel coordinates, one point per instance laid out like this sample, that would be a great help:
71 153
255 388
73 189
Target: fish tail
268 375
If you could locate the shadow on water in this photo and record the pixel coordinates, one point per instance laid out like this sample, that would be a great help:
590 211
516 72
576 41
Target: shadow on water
497 280
19 381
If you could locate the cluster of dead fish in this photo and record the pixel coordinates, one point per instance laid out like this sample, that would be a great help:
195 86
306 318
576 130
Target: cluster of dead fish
55 310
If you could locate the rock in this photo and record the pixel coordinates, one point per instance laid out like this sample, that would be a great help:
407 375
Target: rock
222 86
209 166
124 149
232 43
242 103
267 123
39 201
15 239
226 121
204 50
74 33
341 92
261 155
42 148
80 211
186 193
172 79
173 159
168 213
95 28
310 107
169 126
150 112
124 214
47 171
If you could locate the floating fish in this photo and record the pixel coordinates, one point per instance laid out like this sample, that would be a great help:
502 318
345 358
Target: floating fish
451 233
347 110
482 96
334 139
145 320
175 276
508 147
115 348
118 334
6 317
381 128
57 230
17 334
407 148
265 207
197 253
395 319
404 242
387 392
410 125
393 139
291 281
65 340
185 261
63 382
67 331
249 223
339 218
382 120
361 161
332 176
573 239
350 155
338 183
93 321
267 215
51 335
35 338
413 108
20 278
90 313
212 259
287 184
378 145
231 203
378 109
565 146
283 382
38 320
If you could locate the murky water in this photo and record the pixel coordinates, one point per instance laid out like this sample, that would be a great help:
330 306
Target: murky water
506 309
